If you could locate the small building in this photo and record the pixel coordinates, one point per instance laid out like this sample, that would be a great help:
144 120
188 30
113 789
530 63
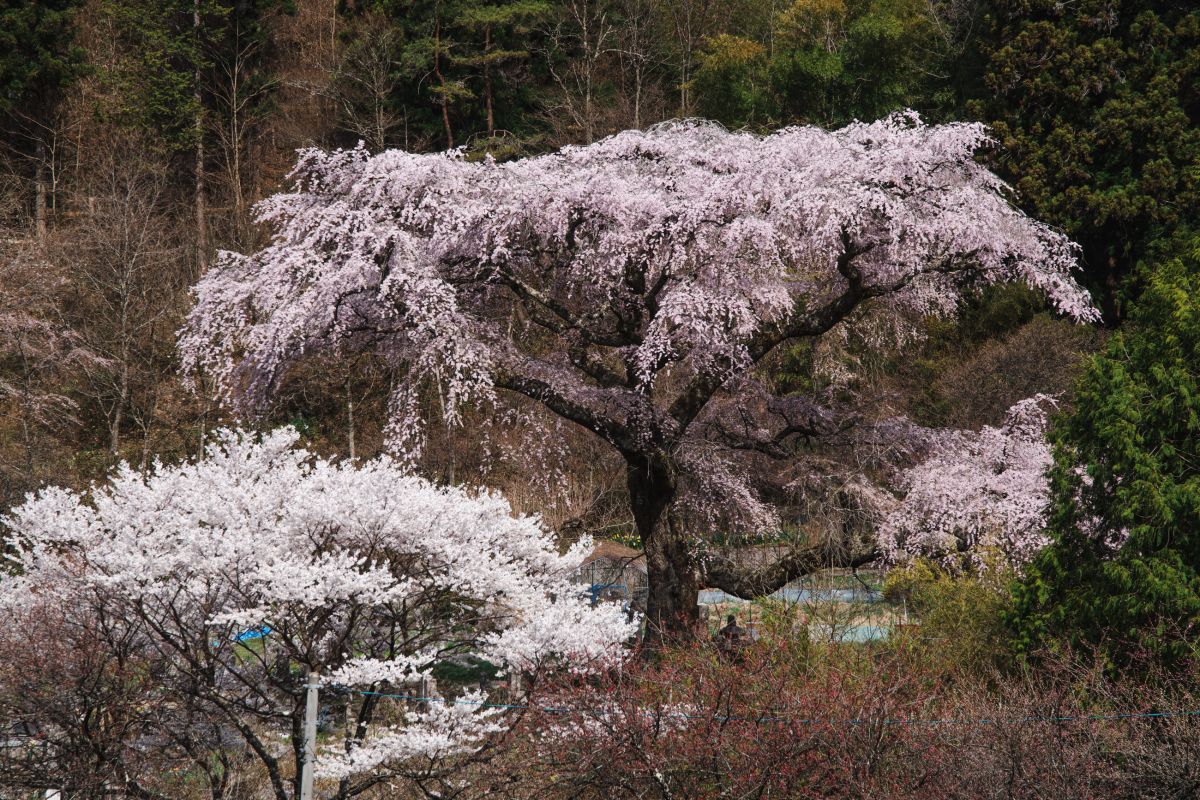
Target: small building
615 573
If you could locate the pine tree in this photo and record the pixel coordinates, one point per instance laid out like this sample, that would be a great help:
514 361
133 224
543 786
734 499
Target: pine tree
501 34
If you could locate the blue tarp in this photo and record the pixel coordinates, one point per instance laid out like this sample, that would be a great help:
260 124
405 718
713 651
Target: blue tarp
253 633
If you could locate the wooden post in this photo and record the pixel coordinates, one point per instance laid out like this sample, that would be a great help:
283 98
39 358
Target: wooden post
427 690
310 735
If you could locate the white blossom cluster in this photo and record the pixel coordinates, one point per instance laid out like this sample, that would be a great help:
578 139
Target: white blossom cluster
363 572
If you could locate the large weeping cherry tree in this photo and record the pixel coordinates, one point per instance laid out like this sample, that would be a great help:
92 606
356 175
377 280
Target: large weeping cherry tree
630 287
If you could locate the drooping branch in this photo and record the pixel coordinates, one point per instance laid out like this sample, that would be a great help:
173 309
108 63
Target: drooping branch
749 582
552 386
568 409
980 496
706 249
768 425
692 400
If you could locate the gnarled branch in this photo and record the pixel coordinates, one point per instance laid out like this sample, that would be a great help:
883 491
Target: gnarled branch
750 582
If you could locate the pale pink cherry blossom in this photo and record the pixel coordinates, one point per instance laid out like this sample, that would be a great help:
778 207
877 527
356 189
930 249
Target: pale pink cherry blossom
630 287
982 495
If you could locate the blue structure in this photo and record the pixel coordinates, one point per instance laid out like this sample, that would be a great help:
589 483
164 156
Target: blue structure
253 633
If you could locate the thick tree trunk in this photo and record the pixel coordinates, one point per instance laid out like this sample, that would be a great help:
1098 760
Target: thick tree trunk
675 578
671 610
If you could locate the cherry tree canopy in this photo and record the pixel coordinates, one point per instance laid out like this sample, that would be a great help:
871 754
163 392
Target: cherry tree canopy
980 495
365 574
628 286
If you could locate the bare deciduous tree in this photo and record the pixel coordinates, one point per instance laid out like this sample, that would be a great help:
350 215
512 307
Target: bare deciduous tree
131 273
577 46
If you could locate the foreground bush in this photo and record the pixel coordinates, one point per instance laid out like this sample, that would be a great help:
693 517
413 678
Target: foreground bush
857 722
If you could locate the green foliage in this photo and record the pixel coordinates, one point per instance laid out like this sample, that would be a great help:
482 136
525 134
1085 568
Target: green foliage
173 70
997 311
732 84
376 81
1005 345
497 33
37 50
154 76
493 41
840 60
629 538
473 56
466 671
1096 106
960 618
1123 571
829 62
795 372
38 54
305 425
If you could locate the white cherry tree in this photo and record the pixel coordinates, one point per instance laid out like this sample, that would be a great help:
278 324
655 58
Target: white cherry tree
364 574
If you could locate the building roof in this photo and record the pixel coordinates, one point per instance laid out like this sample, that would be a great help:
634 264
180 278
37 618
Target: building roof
606 549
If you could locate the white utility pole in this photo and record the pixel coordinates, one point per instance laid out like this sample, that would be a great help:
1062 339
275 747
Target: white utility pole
310 736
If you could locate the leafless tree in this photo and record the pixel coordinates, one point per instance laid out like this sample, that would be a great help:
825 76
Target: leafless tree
638 49
130 276
366 78
691 21
577 46
239 96
40 356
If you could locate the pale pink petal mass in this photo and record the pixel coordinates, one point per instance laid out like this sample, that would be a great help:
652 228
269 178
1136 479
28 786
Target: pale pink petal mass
630 287
981 495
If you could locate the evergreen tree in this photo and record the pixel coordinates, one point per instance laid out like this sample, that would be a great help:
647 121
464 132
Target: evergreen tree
1097 106
732 84
841 60
38 54
442 69
501 34
155 76
829 62
1123 569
